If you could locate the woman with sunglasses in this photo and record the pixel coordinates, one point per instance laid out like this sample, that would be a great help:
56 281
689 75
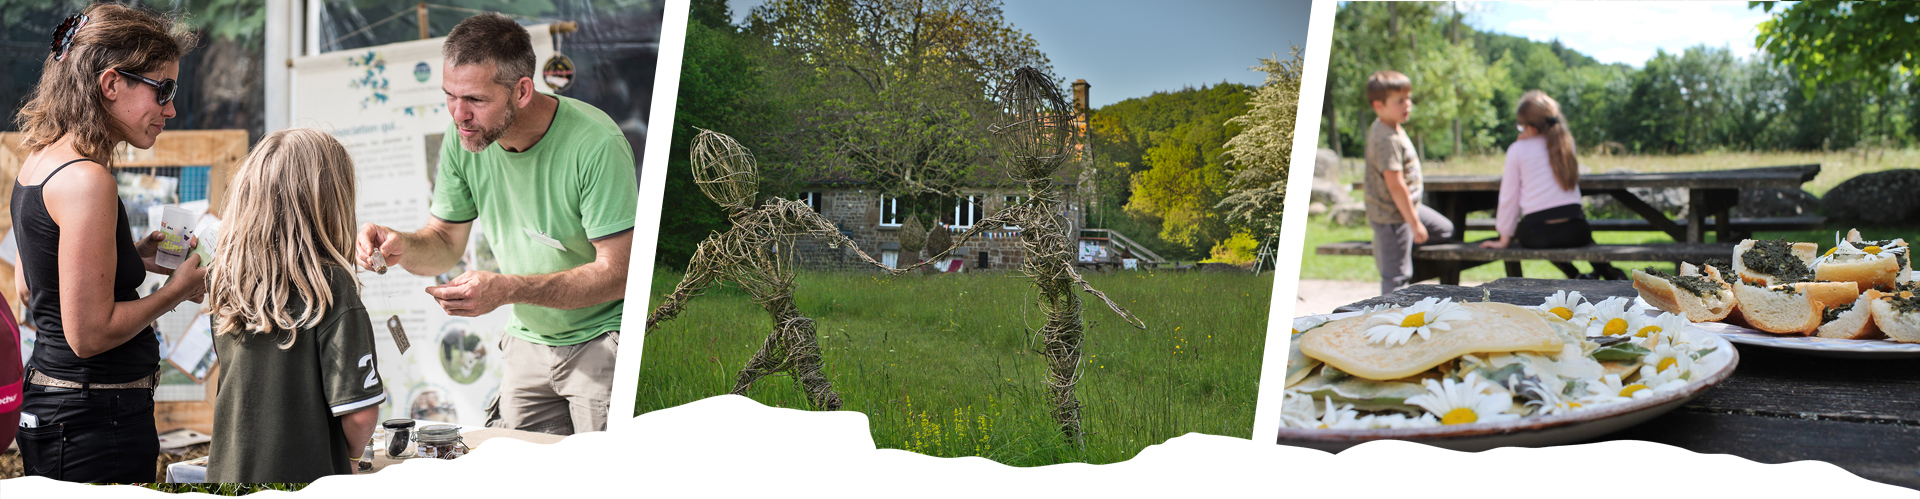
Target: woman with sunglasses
109 78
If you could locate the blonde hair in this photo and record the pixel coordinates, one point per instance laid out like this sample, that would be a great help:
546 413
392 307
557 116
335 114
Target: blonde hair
289 214
68 99
1539 111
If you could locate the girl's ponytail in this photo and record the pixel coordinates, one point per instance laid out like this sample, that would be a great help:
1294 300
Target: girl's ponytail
1539 111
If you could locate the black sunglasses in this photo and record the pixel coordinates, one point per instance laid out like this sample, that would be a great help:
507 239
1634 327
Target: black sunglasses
166 88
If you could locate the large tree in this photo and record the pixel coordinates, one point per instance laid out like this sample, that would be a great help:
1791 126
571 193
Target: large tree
1261 154
892 92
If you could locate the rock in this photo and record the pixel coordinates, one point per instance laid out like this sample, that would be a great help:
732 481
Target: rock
1777 202
1316 209
1876 198
1330 192
1350 213
1326 165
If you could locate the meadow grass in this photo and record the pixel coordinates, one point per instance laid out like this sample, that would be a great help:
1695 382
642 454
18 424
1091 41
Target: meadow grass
949 365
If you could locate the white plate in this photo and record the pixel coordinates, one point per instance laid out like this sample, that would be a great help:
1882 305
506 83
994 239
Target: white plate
1558 429
1814 345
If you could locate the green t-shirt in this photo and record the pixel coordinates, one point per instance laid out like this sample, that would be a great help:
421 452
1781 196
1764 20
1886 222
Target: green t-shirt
277 415
573 187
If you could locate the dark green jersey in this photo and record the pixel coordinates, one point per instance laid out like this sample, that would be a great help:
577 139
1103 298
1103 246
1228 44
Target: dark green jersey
277 414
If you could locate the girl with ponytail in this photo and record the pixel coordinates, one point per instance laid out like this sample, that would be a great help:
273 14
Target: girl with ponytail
1540 188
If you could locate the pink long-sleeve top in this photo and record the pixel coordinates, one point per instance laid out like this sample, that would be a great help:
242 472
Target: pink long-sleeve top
1528 185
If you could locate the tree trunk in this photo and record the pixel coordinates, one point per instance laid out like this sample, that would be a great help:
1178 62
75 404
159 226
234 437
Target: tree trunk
1333 118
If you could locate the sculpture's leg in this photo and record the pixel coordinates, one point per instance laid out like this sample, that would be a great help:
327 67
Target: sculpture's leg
1061 340
764 362
803 362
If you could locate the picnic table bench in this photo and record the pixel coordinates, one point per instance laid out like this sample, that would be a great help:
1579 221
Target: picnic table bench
1709 194
1445 261
1778 407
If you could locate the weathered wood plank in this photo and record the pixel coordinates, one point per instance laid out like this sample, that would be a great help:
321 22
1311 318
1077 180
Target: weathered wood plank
1880 452
1743 178
1472 252
1749 224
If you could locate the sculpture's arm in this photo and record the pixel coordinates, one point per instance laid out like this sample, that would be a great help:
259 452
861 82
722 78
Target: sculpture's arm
1001 219
806 222
1124 314
701 273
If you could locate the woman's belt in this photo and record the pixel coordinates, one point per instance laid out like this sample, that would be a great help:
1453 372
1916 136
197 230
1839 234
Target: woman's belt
39 378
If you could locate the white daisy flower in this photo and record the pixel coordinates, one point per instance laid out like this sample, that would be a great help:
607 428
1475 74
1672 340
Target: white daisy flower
1423 318
1307 323
1469 401
1568 305
1547 401
1395 421
1377 307
1611 318
1611 389
1667 361
1843 248
1343 417
1654 329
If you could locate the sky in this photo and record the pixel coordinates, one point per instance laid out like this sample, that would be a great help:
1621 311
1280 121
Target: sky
1624 32
1132 48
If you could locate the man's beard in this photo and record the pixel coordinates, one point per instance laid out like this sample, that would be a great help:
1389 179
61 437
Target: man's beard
487 136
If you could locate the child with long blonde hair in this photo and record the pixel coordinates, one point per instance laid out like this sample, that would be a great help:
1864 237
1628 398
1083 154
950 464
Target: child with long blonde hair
299 387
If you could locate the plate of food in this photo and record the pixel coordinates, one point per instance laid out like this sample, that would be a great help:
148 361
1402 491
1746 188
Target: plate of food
1858 300
1475 376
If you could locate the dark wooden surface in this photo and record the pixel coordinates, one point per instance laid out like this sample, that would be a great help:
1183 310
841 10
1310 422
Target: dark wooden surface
1709 194
1743 178
1860 415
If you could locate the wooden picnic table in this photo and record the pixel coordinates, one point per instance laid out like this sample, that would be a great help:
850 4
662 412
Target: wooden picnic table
1709 193
1778 407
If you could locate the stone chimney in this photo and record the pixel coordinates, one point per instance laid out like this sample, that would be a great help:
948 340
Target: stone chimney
1080 112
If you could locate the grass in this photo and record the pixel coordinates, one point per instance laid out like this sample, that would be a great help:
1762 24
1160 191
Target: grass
1836 167
948 365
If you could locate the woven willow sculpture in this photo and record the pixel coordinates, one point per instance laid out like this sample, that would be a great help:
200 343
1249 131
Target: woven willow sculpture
1037 133
757 254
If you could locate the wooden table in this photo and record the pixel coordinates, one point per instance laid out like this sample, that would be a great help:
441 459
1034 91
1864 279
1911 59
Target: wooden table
1712 193
1778 407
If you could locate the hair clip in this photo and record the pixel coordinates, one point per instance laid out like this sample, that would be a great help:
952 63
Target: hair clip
63 35
1553 120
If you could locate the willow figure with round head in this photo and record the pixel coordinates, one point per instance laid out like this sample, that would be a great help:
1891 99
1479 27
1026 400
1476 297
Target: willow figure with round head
1036 132
756 253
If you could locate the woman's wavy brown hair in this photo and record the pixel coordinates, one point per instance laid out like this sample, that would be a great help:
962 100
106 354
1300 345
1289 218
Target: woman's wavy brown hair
289 215
1541 112
69 101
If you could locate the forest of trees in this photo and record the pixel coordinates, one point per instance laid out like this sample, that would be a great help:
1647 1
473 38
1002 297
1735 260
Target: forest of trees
1699 99
905 108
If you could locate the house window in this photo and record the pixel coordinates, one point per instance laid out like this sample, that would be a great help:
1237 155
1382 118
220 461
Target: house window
814 200
890 258
1009 202
966 211
889 211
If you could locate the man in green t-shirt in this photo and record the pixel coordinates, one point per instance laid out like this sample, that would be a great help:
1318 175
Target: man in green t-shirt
552 181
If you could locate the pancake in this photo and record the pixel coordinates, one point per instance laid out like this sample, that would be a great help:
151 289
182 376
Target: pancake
1495 327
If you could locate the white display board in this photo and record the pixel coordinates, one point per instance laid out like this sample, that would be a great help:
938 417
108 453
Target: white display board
386 106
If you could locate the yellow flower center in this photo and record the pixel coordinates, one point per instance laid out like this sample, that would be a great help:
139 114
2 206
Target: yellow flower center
1296 331
1666 363
1647 330
1416 320
1459 416
1575 405
1565 315
1831 250
1615 327
1871 250
1629 389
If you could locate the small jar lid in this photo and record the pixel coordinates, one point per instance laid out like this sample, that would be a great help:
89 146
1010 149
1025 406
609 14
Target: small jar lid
394 424
439 433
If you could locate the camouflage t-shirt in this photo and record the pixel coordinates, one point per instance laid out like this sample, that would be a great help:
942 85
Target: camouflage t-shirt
1389 149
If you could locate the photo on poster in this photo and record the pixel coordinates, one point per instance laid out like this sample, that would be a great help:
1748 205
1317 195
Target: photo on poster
1553 223
1015 230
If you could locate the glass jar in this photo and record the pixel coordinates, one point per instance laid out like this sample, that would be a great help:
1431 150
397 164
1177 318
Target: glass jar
399 434
441 441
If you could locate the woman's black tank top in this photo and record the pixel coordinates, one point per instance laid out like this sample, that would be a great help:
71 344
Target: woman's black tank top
39 241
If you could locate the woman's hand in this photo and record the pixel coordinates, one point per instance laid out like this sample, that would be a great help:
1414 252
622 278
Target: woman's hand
150 246
190 280
1500 244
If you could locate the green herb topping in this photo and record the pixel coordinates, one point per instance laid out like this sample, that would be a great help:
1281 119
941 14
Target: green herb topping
1776 258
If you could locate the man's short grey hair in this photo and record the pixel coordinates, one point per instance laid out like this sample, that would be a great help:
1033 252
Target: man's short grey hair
492 38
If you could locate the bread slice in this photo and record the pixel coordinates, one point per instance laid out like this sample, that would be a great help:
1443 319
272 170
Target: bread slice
1782 309
1765 262
1903 260
1897 315
1702 298
1829 293
1851 322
